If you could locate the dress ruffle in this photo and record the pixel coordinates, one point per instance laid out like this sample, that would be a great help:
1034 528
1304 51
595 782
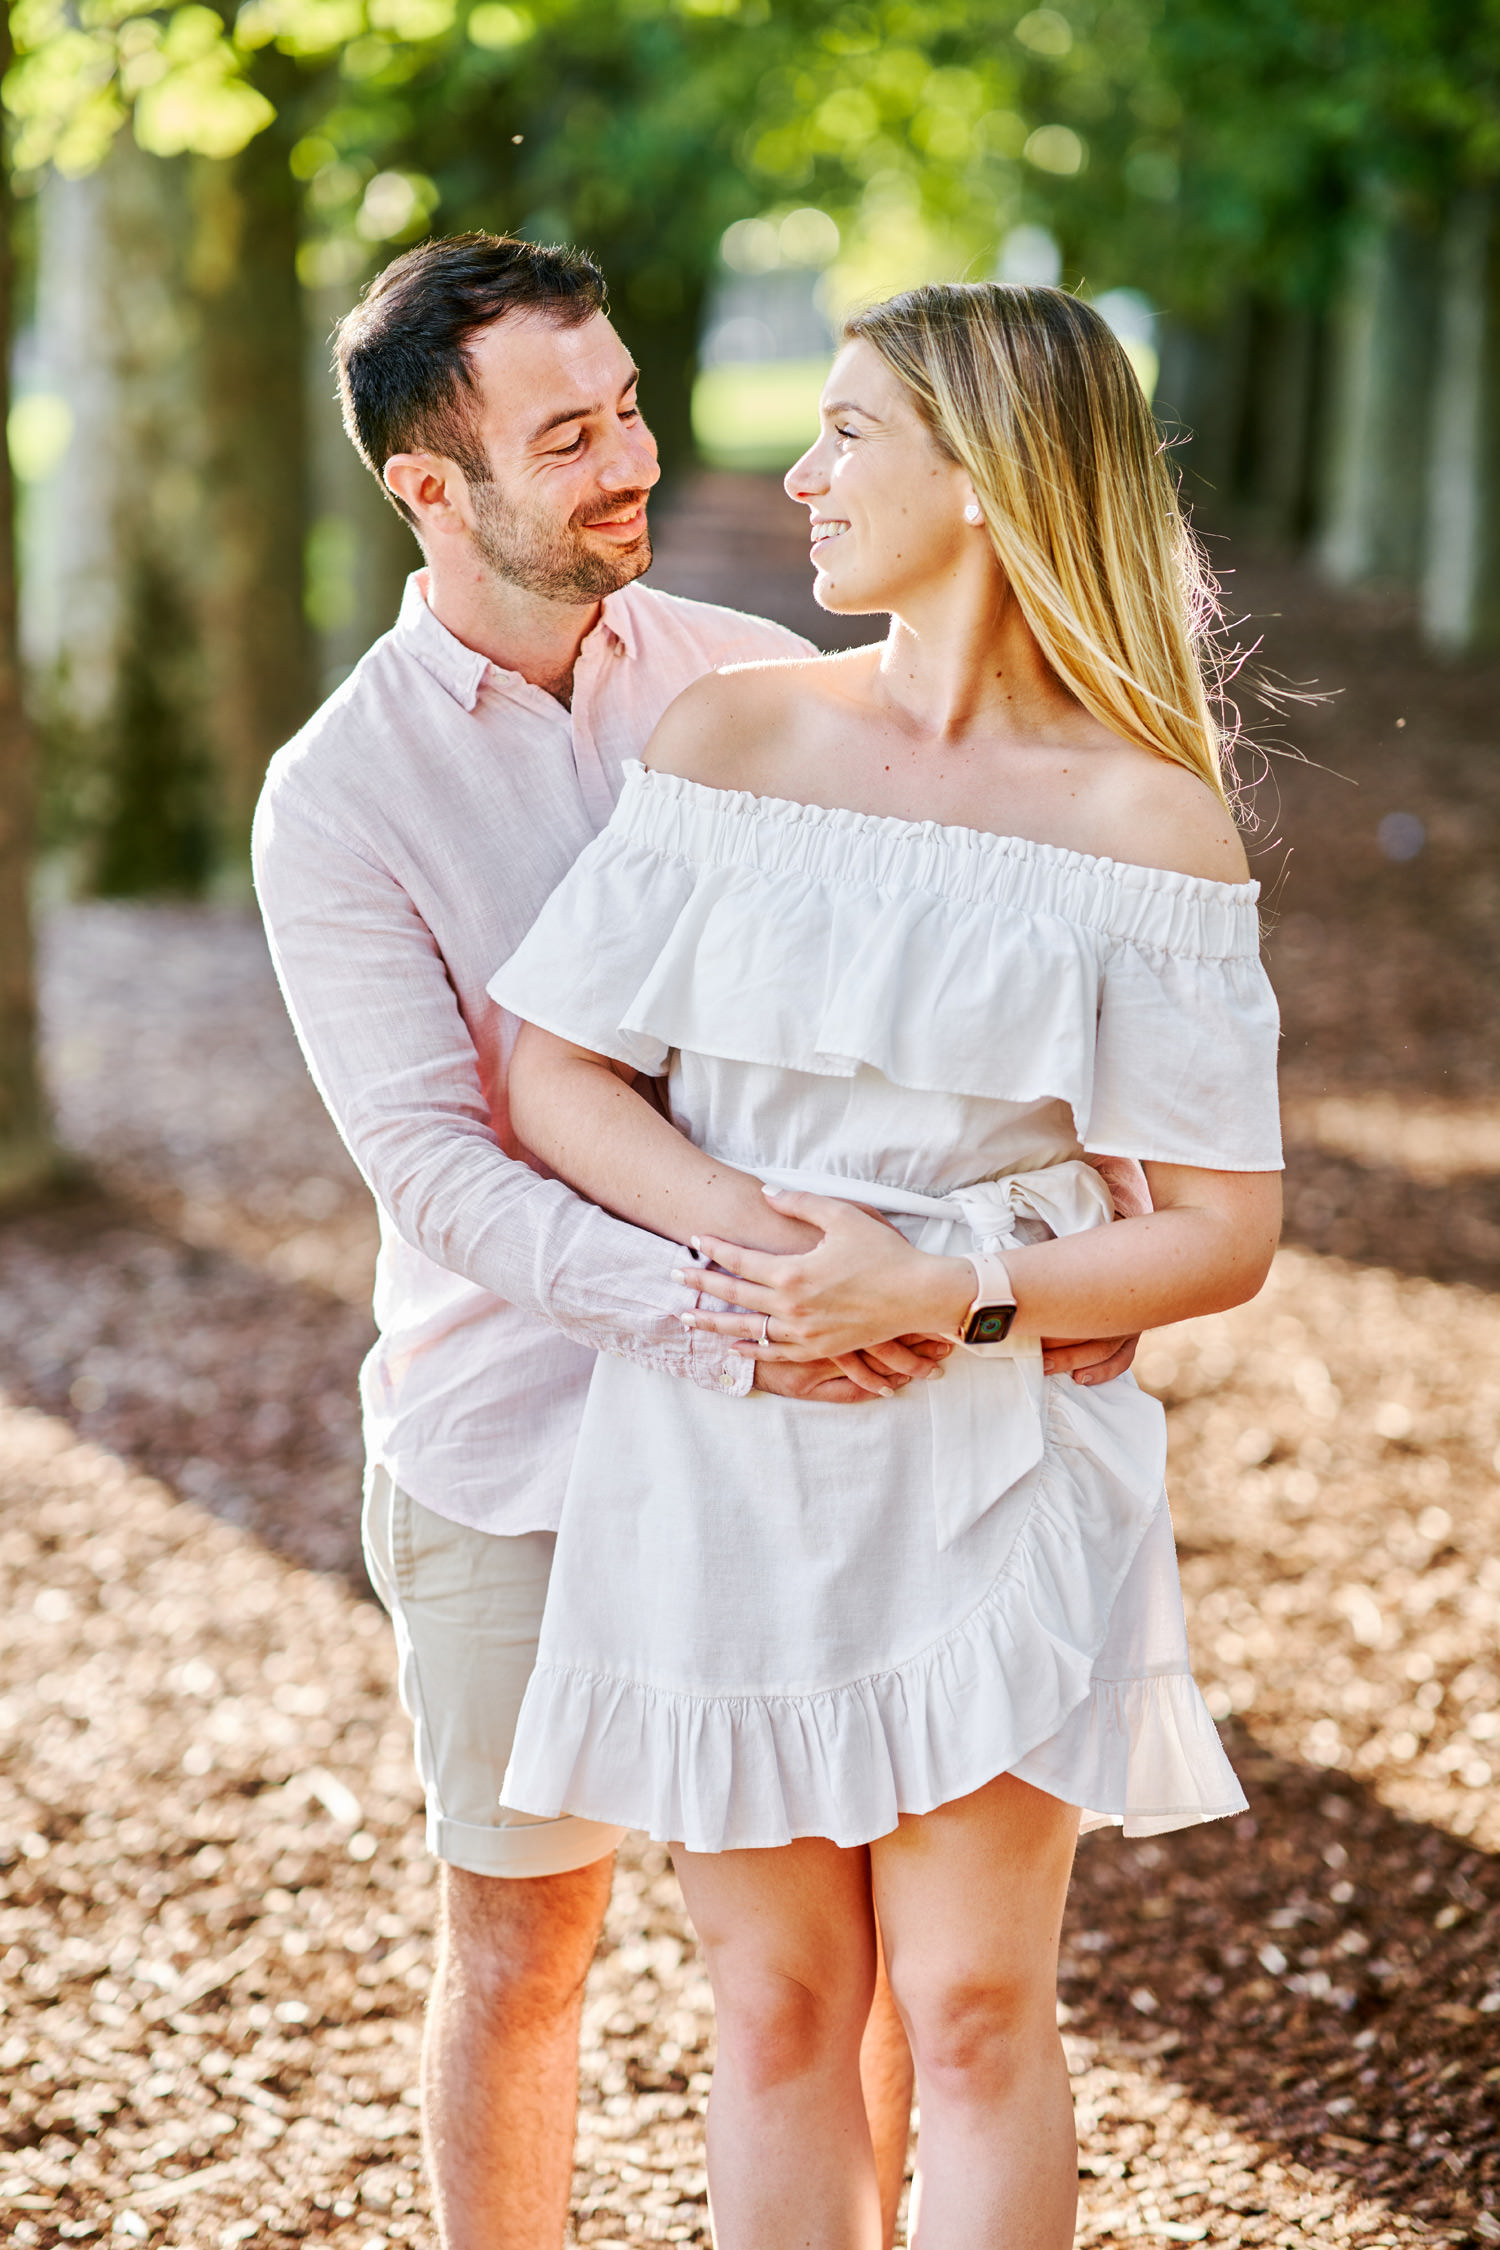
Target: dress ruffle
809 939
763 1624
1011 1688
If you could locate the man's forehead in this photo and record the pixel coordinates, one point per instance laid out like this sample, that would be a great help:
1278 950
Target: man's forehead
531 366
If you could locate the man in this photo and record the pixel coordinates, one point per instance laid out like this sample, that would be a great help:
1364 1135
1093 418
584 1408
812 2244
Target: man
404 843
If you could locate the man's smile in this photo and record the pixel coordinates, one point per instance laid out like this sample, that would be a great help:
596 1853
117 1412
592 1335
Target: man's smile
623 527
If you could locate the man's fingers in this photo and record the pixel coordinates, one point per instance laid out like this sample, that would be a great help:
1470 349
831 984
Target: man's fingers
897 1358
1105 1370
1099 1360
856 1366
818 1379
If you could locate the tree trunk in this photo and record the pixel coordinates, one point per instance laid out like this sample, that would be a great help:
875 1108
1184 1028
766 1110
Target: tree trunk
1376 415
27 1155
1461 577
360 552
114 557
1200 403
259 647
1273 469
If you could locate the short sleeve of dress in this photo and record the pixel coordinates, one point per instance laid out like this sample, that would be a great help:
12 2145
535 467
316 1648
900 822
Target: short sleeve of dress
1185 1060
582 963
806 939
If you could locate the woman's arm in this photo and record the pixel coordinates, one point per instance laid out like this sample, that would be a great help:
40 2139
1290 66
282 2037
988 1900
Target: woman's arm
1206 1245
580 1112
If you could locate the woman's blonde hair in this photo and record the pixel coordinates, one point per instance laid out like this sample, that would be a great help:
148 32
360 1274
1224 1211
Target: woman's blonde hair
1032 394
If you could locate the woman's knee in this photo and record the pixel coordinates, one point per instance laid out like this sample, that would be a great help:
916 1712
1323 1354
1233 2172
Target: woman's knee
777 2025
974 2033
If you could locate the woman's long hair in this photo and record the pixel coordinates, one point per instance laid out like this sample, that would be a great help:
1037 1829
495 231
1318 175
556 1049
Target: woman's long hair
1032 394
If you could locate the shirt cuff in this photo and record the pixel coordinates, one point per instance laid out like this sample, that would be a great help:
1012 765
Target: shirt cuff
712 1362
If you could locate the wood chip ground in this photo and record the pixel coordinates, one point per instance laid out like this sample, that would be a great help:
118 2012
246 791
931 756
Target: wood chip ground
215 1907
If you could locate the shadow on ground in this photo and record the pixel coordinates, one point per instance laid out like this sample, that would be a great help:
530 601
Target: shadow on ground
1322 1974
236 1389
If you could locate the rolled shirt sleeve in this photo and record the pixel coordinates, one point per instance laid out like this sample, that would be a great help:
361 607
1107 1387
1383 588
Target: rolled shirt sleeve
380 1026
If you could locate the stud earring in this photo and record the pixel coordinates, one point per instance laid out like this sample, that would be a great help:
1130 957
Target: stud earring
973 513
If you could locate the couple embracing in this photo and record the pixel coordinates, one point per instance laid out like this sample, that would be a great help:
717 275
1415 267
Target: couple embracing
773 1070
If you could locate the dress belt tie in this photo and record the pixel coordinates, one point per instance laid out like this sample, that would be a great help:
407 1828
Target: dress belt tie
986 1413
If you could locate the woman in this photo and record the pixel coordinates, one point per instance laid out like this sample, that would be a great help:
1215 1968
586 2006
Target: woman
909 928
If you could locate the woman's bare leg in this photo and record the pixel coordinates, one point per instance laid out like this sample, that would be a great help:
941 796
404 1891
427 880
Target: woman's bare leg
789 1937
885 2073
970 1899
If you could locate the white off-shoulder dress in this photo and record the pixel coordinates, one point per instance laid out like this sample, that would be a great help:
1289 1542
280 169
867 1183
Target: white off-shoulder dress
770 1618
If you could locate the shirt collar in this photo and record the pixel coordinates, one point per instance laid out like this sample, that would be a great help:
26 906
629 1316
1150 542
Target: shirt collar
461 670
617 615
458 669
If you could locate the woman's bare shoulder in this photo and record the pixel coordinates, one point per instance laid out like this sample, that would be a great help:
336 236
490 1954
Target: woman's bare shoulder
1161 815
727 729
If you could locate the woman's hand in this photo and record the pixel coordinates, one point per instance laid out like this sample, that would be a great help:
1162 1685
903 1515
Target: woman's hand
861 1285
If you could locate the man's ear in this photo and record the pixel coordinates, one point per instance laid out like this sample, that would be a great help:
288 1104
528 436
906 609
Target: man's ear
433 488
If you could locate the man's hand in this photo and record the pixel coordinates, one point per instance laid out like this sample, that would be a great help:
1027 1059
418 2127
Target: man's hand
821 1380
1097 1362
877 1373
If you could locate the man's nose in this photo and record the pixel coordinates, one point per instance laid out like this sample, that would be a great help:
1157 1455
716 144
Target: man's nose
632 465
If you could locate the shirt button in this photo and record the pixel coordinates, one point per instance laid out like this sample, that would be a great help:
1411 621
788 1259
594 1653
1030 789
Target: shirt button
726 1379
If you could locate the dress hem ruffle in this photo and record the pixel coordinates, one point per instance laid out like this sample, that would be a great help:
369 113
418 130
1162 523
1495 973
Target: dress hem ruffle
1010 1689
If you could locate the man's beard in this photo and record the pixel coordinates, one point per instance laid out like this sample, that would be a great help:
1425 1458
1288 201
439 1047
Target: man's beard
556 563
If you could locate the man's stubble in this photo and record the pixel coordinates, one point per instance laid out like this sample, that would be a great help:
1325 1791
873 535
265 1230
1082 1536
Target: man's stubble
529 552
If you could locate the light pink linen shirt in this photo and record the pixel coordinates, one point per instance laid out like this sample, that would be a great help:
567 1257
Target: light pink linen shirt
404 843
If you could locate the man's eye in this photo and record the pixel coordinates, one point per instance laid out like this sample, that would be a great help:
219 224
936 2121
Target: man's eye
572 446
630 413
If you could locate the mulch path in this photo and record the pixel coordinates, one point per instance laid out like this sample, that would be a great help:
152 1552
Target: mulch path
215 1909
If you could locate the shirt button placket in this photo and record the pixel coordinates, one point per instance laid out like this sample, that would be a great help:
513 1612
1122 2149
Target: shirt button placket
587 763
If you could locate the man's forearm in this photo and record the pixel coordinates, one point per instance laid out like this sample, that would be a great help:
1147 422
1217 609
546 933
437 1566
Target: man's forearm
391 1054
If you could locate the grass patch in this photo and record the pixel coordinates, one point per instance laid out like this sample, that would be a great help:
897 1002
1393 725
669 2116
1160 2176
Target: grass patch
757 414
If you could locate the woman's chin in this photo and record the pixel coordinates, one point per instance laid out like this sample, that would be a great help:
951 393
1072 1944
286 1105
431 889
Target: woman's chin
846 600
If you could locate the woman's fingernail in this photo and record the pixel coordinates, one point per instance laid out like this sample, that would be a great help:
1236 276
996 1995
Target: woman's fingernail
936 1374
688 1320
770 1191
692 1242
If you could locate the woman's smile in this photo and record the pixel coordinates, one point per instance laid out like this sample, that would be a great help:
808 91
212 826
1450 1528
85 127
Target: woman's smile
824 528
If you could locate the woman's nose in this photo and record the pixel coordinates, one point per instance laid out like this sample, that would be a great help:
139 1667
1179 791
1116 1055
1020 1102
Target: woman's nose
806 478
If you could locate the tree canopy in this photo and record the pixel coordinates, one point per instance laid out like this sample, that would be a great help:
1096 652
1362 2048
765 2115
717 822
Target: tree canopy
1184 145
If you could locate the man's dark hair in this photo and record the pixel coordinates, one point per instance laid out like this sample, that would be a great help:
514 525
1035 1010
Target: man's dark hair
404 376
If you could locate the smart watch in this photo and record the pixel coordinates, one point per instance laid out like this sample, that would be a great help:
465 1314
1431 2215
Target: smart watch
992 1315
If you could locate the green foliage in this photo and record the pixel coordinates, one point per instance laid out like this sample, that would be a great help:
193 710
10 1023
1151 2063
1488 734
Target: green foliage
1168 142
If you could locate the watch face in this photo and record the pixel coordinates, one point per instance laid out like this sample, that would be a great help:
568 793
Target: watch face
990 1325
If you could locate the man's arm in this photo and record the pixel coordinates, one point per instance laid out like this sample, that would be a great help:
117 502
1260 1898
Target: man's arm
389 1051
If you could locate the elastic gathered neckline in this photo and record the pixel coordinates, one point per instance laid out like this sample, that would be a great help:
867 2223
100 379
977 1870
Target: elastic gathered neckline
792 811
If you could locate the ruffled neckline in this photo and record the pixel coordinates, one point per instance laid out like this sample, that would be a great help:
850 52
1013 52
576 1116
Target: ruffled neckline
790 812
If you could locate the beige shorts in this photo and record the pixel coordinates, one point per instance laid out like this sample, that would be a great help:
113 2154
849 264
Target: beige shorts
467 1608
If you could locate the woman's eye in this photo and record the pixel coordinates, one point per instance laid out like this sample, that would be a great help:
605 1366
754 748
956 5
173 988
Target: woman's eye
840 431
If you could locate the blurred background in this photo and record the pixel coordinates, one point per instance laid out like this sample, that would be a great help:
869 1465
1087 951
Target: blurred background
216 1913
